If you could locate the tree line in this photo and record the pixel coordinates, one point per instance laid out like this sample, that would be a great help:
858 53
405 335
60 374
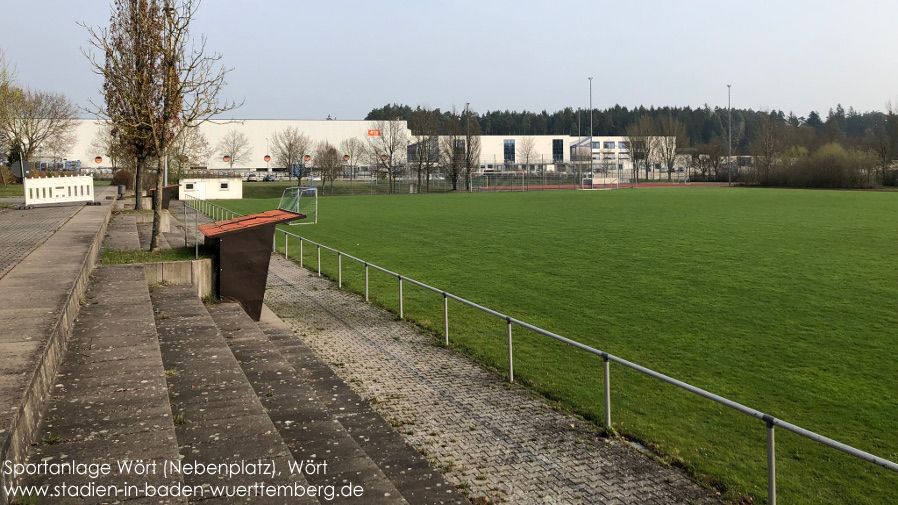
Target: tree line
775 147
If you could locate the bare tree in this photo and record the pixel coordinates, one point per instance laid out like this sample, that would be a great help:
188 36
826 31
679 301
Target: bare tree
388 149
106 144
880 142
191 149
643 143
425 152
235 145
30 119
766 146
526 151
157 78
472 147
671 136
355 149
328 163
290 146
452 149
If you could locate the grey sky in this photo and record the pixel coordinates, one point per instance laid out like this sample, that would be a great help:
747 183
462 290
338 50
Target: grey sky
305 60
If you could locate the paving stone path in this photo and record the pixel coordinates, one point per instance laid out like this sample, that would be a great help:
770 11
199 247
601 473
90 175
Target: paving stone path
490 438
21 236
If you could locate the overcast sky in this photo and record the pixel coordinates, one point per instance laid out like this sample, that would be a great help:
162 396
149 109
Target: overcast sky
307 60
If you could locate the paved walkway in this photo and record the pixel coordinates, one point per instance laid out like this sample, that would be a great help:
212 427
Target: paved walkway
495 441
21 231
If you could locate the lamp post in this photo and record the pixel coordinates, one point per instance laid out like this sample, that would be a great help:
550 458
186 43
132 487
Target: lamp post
2 138
590 127
730 142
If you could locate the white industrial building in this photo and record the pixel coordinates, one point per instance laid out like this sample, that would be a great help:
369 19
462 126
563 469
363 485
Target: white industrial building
259 133
498 153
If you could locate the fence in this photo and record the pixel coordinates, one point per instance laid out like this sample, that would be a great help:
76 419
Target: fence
65 189
771 422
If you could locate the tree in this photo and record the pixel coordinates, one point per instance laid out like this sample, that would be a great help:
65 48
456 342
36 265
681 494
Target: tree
328 163
158 80
452 149
236 146
290 146
671 136
388 149
766 146
472 147
643 143
355 149
424 152
106 144
191 149
526 151
30 119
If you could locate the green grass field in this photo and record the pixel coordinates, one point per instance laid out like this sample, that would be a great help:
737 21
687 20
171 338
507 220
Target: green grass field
783 300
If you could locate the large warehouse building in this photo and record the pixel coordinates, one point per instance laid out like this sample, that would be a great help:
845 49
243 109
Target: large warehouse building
498 153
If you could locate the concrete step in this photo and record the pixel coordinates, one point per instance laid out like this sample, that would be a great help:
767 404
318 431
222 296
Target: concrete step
145 233
218 416
413 476
121 233
110 400
303 420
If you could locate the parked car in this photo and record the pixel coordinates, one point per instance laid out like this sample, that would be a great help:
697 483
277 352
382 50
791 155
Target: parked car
252 178
268 178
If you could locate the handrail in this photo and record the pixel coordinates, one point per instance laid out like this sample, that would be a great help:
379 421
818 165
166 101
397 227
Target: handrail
770 421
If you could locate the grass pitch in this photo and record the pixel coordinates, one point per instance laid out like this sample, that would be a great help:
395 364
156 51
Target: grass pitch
783 300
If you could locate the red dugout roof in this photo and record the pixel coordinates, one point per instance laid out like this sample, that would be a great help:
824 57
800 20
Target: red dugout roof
220 228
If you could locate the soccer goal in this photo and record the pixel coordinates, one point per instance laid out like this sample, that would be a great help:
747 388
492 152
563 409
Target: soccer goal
302 200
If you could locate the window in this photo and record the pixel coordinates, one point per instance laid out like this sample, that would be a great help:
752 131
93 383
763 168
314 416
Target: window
557 150
609 145
623 145
188 186
596 145
509 150
224 185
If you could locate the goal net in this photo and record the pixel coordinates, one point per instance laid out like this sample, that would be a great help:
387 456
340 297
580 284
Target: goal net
302 200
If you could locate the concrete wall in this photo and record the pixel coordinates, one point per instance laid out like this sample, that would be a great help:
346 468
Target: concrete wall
197 273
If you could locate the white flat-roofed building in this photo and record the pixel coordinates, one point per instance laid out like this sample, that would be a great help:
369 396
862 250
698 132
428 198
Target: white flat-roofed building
225 188
259 133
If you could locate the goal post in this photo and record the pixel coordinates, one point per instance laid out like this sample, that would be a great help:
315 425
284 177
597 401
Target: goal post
302 200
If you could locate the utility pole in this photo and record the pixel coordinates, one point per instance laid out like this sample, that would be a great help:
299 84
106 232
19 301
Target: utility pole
730 155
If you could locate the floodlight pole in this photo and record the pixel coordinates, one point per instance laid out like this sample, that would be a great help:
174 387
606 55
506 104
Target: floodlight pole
730 154
590 127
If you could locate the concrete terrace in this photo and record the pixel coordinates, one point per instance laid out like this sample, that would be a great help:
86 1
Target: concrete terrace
98 366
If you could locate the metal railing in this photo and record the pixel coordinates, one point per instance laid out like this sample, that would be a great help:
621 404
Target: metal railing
770 422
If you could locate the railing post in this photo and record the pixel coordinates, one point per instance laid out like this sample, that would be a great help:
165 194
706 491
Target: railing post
286 244
274 243
400 297
607 392
339 270
319 260
510 359
771 463
196 238
446 318
185 223
366 281
300 252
